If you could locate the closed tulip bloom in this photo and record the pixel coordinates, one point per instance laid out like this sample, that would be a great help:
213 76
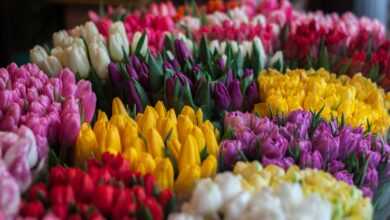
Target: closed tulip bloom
131 154
222 96
99 58
118 107
187 179
187 110
49 64
210 138
235 94
38 55
168 127
184 127
86 144
209 166
113 140
87 99
148 120
160 108
164 174
189 153
136 38
155 143
147 164
198 134
78 59
62 39
118 42
174 146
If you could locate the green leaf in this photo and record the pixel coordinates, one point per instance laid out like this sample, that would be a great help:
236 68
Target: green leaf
228 134
141 92
324 57
168 153
373 73
245 83
221 162
204 53
188 95
144 213
204 154
140 44
156 73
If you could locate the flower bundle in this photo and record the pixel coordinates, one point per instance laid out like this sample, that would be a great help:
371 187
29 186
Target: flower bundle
359 101
254 192
18 160
53 108
303 138
178 150
106 189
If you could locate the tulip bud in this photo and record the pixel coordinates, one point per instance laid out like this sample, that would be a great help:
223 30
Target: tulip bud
222 97
276 61
184 127
155 143
259 54
211 140
136 41
89 31
182 52
186 179
174 146
198 134
131 154
118 107
77 57
235 94
113 140
99 58
118 42
187 110
160 108
147 164
214 46
61 55
209 166
86 144
189 153
148 120
168 127
38 55
199 116
252 96
62 39
164 174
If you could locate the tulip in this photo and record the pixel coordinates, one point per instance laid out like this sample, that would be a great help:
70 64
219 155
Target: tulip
86 144
10 193
38 55
99 57
184 127
222 97
136 41
209 166
131 154
148 120
155 143
258 49
189 153
118 42
164 174
147 164
235 94
210 138
118 107
62 39
198 134
78 59
112 140
49 64
182 52
186 179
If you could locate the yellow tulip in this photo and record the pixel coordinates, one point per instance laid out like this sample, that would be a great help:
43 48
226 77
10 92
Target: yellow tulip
187 179
171 114
86 144
210 139
184 127
199 116
155 143
168 127
113 140
189 153
209 166
102 116
100 130
120 121
174 146
132 155
188 111
129 135
198 134
146 163
160 108
118 107
164 174
148 120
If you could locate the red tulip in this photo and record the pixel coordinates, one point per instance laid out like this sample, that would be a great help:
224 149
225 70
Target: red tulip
104 198
33 209
37 192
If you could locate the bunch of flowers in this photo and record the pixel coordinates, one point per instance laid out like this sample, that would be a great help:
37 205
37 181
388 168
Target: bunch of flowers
216 83
357 99
178 150
18 160
303 138
53 108
106 189
254 192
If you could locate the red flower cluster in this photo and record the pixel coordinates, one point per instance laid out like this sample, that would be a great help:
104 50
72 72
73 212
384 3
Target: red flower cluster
107 189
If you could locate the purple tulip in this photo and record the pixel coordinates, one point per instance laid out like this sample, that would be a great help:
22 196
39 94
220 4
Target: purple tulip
373 158
70 123
334 166
132 72
182 52
252 96
9 194
115 75
274 146
345 176
248 141
248 73
367 192
238 121
235 94
68 83
222 97
230 150
229 77
133 97
349 140
371 178
325 143
87 99
311 160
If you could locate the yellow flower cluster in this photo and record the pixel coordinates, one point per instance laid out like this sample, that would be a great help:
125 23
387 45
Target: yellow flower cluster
347 201
159 142
357 98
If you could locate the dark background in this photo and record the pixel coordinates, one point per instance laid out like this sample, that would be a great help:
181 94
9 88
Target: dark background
25 23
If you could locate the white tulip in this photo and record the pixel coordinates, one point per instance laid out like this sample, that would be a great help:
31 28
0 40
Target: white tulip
276 58
259 20
89 31
264 205
233 209
234 46
290 194
52 66
258 45
312 207
78 59
214 45
192 23
206 198
229 184
60 54
118 43
144 47
38 55
99 58
183 216
246 48
222 48
62 39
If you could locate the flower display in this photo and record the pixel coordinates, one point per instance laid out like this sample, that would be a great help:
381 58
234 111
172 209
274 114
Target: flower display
106 189
357 99
254 192
303 138
53 108
177 149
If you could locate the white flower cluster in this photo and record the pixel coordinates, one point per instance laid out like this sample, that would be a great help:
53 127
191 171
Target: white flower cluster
227 197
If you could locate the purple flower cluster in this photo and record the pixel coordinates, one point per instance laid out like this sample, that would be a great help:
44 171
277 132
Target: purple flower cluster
18 159
348 153
53 108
